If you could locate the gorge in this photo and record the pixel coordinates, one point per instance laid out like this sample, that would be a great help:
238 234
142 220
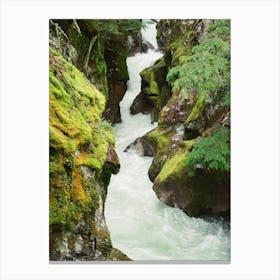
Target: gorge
140 225
158 119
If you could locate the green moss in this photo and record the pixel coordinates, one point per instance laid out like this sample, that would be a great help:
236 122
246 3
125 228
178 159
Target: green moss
99 68
56 167
61 209
91 159
154 85
69 202
117 255
58 141
160 139
174 166
152 91
122 68
108 132
196 109
180 52
95 156
74 105
83 192
75 124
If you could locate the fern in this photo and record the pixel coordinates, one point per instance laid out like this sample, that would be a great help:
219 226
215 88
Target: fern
211 152
220 28
207 70
206 73
173 74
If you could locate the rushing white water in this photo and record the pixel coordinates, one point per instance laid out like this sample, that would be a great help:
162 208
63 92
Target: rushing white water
140 225
148 32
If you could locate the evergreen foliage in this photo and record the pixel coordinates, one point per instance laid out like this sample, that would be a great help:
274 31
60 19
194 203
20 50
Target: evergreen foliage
207 71
113 28
212 152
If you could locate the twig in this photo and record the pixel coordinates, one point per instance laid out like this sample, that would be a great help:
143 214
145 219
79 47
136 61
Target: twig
89 51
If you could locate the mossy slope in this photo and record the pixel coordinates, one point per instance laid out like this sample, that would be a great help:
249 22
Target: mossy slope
79 144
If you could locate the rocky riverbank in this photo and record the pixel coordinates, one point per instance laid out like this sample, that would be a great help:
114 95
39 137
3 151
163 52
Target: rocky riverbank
188 90
88 77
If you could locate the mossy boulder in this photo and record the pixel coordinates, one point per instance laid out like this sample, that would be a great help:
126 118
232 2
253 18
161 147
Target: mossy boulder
207 193
155 90
81 148
179 51
117 255
157 143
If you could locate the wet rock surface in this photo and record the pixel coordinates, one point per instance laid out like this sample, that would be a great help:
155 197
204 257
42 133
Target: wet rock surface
183 121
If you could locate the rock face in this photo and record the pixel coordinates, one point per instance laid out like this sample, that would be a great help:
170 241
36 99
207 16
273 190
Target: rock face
116 50
80 43
155 90
207 193
99 49
117 76
82 156
176 39
190 146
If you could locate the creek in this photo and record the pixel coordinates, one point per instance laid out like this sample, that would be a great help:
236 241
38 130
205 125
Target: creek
140 225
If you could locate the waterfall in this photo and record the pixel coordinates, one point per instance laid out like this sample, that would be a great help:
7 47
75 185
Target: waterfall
140 225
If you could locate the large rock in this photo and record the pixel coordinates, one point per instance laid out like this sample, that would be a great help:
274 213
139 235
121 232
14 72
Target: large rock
80 43
175 110
82 159
158 143
155 90
117 90
169 30
176 38
207 193
141 104
112 160
141 147
117 76
147 46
